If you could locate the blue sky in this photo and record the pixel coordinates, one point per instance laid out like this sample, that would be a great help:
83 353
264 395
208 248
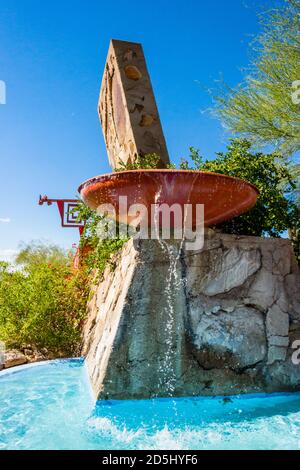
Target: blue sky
52 55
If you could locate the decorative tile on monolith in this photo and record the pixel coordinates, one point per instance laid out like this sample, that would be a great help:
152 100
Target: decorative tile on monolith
127 107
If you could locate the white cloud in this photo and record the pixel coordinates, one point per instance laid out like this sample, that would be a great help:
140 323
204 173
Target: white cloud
5 220
8 255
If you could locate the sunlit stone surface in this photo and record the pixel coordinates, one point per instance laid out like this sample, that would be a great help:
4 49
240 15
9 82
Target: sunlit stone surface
127 107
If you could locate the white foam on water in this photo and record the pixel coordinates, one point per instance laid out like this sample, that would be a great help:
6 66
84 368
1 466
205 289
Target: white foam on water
108 429
276 432
49 407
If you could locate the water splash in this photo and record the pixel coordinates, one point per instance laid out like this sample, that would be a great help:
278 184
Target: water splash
48 406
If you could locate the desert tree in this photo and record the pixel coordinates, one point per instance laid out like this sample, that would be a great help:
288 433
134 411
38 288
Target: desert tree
265 108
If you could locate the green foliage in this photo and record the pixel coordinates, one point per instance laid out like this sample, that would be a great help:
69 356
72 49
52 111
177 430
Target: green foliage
97 251
43 302
294 196
294 192
149 161
274 213
36 254
194 162
261 109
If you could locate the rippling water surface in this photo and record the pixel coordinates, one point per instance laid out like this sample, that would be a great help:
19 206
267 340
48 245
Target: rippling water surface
50 406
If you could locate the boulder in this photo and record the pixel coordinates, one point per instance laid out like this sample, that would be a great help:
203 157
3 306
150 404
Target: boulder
263 291
14 358
235 340
220 270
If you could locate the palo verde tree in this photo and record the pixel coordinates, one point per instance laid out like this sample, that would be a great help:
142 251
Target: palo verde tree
265 109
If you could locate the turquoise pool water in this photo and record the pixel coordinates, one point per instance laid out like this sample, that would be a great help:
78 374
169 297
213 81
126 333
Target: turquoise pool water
50 406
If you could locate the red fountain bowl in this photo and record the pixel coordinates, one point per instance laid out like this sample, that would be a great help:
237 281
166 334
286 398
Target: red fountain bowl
224 197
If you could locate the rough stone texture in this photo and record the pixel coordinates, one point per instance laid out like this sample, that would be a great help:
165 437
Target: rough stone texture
13 358
27 354
127 107
175 322
221 338
277 322
219 270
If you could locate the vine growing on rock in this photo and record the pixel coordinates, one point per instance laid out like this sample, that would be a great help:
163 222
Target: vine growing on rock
97 251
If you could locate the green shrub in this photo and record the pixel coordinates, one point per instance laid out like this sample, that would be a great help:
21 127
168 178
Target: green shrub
274 212
149 161
43 302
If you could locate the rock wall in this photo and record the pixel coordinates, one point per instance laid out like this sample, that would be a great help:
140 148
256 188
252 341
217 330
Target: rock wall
221 320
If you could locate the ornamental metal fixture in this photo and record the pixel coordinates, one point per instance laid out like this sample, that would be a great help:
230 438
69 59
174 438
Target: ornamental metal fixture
67 211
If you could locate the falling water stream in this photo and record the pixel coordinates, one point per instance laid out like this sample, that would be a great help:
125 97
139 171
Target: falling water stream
167 367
